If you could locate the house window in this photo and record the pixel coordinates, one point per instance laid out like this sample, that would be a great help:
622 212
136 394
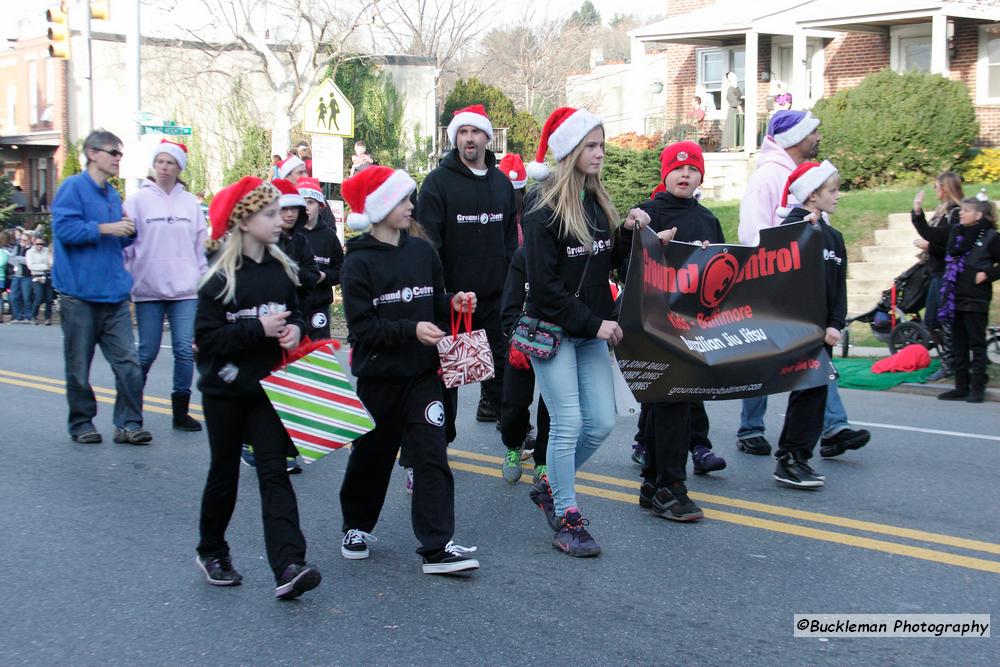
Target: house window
915 54
783 70
988 67
712 67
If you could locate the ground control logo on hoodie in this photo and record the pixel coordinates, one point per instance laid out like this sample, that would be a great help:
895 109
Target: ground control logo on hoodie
480 218
404 295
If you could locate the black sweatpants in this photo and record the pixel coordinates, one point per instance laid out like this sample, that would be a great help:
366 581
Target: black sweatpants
699 427
968 336
803 423
668 436
487 317
230 423
410 409
515 412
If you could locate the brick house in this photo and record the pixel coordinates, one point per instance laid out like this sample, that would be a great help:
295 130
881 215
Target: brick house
810 49
33 117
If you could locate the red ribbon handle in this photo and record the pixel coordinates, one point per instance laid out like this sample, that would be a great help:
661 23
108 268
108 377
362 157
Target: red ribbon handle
464 314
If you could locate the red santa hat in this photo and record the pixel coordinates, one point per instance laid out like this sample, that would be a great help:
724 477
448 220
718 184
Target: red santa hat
373 193
289 193
563 131
239 201
310 188
288 165
475 116
807 178
174 149
677 155
513 168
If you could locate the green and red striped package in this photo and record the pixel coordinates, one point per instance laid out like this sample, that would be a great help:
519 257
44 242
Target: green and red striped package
316 402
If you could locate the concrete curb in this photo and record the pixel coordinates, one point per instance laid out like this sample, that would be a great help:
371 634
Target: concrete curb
933 389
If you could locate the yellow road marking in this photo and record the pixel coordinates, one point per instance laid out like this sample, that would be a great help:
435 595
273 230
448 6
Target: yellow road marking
56 386
787 528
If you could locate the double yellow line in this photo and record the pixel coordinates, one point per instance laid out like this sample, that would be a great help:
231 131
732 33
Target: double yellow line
611 489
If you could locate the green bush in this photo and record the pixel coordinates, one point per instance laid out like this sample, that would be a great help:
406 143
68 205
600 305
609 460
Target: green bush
892 124
524 128
629 175
71 163
984 167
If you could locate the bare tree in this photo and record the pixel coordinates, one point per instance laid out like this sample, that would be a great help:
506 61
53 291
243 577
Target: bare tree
294 41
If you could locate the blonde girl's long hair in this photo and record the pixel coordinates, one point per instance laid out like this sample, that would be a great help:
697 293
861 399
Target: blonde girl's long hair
561 193
952 194
229 260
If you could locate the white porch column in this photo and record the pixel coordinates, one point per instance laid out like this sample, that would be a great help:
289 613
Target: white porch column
750 94
939 44
798 84
637 86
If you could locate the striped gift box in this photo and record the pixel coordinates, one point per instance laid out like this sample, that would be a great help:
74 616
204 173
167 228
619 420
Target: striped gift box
317 404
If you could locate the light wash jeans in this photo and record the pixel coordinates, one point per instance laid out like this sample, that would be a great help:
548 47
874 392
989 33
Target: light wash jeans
149 322
577 387
834 417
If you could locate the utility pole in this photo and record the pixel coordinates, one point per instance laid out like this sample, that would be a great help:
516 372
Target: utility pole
88 72
133 73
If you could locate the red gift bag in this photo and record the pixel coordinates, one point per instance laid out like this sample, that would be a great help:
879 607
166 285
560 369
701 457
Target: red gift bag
466 356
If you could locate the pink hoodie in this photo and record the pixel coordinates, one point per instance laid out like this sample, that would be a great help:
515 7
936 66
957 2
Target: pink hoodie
168 256
763 194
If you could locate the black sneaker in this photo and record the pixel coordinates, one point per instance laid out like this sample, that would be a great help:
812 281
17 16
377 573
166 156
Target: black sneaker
296 580
541 496
573 538
355 544
485 412
219 570
790 473
756 445
137 436
954 395
450 560
646 493
975 396
673 503
706 461
89 438
807 469
841 441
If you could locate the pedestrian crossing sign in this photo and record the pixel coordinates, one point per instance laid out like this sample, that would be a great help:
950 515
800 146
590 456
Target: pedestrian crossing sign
327 111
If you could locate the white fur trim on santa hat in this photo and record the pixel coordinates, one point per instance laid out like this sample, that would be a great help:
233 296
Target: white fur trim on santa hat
311 194
380 201
812 180
797 132
174 151
284 201
571 132
476 120
512 174
289 165
537 170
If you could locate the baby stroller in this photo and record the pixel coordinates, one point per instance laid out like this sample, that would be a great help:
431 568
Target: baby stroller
895 319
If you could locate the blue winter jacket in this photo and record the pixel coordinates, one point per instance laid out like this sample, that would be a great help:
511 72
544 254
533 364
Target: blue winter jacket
86 264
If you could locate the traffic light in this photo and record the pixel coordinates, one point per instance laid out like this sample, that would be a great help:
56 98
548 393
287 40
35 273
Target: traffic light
100 10
58 32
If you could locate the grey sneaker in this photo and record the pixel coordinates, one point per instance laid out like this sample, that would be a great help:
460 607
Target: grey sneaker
138 436
511 467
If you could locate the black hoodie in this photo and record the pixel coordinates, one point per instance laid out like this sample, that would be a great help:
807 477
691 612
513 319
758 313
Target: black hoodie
329 257
294 244
388 289
471 220
984 256
230 336
834 269
556 266
515 292
693 221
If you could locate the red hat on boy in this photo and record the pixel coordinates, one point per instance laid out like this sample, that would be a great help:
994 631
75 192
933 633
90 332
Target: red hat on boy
239 201
513 168
289 193
289 164
310 188
475 116
563 131
373 193
807 178
174 149
677 155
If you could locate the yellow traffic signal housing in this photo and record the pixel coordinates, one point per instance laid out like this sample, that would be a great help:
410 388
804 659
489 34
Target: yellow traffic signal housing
100 10
58 32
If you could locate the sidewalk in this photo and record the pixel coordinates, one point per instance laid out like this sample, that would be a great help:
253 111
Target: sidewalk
929 389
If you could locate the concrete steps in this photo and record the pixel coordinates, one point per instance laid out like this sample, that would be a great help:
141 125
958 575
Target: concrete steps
873 272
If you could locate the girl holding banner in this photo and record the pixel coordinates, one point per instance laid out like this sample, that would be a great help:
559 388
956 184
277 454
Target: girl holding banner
572 242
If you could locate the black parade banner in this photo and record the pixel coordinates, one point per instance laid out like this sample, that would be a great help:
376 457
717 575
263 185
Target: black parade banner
727 321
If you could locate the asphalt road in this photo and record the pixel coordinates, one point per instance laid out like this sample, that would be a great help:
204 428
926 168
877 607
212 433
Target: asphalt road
99 542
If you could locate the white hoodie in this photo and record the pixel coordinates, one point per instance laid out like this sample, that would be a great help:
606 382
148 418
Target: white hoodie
763 194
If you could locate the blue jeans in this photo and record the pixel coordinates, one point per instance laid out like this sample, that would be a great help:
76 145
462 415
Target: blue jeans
577 387
85 325
20 297
41 293
149 319
834 416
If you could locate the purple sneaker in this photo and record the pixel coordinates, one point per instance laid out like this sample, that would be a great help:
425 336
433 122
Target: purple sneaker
638 454
541 495
573 538
706 461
